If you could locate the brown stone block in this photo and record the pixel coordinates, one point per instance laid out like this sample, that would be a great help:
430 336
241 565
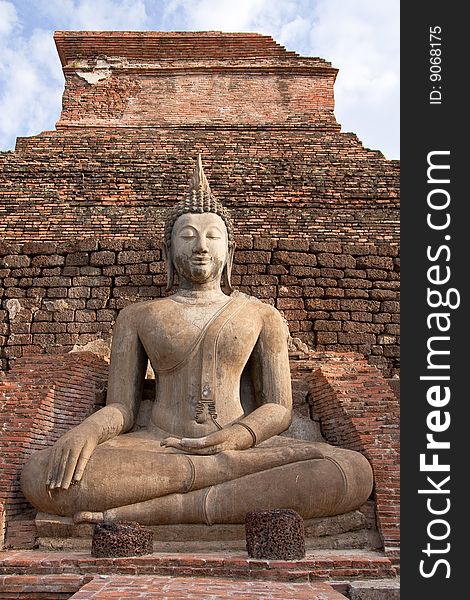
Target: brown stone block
375 262
305 271
259 279
321 325
77 259
294 258
130 257
360 305
103 257
384 294
264 243
299 244
338 261
392 250
331 273
323 304
290 303
52 281
363 316
325 282
25 282
137 269
392 351
36 293
291 291
332 292
264 291
79 292
64 316
359 327
326 337
333 247
356 293
95 303
356 338
252 256
48 260
313 292
15 261
121 539
95 281
275 534
111 244
41 247
355 273
390 306
13 292
85 316
277 270
244 242
354 283
47 327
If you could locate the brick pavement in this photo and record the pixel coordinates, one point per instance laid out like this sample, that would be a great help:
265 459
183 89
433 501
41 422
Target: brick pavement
201 588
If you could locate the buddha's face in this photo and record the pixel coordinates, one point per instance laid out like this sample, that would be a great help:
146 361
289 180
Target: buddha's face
199 247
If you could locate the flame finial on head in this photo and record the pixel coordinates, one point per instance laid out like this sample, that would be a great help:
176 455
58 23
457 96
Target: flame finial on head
198 182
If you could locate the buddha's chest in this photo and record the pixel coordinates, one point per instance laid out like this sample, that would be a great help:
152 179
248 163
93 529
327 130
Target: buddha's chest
219 336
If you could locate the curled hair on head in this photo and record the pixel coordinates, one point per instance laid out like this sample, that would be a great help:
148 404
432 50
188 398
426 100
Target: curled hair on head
199 199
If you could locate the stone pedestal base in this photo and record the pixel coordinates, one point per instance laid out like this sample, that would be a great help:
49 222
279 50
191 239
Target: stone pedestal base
275 534
346 531
121 539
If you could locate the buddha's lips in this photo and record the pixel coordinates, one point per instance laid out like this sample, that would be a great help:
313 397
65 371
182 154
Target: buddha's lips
201 260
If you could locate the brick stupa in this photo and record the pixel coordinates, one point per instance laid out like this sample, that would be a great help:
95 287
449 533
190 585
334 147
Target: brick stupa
81 211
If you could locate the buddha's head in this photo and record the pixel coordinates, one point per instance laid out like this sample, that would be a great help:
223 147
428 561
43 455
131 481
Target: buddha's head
199 241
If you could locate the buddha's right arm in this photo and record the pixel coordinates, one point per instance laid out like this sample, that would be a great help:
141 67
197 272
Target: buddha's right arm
70 454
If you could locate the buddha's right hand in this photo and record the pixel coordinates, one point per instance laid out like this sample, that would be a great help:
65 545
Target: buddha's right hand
70 455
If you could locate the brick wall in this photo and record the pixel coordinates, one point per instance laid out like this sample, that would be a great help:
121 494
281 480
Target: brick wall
359 411
334 296
293 182
41 399
160 78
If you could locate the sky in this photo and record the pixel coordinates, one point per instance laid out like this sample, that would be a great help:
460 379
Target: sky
360 37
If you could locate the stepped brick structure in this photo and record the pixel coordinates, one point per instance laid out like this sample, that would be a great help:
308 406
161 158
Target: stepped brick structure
81 207
81 223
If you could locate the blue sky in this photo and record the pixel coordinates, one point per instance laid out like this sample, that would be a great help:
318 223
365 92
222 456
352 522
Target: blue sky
360 37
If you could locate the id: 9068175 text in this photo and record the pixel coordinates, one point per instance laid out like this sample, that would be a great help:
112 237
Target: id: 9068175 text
435 64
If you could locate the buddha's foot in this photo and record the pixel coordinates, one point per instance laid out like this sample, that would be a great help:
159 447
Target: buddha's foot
87 516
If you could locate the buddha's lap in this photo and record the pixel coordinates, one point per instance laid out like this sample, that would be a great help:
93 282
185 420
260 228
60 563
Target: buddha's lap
134 468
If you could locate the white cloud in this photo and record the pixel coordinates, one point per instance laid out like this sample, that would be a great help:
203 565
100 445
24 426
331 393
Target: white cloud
31 80
8 18
96 14
31 86
216 15
362 39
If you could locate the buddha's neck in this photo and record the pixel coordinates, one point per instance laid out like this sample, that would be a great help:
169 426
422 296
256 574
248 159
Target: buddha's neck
200 294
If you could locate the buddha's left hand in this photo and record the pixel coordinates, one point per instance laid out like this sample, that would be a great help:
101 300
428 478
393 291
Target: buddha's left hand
229 438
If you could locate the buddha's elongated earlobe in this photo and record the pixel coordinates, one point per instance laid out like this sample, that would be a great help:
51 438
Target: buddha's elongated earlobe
227 271
170 269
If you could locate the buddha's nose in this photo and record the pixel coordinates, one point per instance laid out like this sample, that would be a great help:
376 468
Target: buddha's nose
201 244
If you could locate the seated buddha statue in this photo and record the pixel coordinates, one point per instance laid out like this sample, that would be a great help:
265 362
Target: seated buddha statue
212 449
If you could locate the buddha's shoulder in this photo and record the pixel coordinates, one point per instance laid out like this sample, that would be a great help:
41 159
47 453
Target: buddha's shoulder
137 310
255 305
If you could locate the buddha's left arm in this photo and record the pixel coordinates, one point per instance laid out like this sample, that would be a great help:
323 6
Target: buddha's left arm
270 373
